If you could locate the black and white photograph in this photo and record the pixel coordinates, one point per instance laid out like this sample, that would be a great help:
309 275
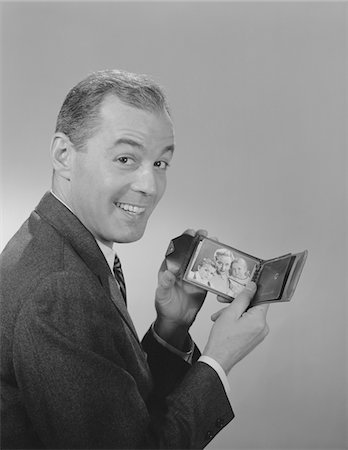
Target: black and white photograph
219 268
128 130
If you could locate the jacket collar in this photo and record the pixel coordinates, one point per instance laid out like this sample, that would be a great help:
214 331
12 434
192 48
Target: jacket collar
84 244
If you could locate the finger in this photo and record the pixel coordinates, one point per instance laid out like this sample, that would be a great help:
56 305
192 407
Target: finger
223 299
193 232
163 267
163 292
242 301
189 231
259 309
202 232
166 279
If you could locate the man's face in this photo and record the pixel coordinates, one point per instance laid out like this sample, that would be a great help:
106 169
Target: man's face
223 263
119 178
206 271
239 269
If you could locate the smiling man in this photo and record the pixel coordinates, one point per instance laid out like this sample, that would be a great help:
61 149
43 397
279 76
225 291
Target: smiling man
74 373
117 177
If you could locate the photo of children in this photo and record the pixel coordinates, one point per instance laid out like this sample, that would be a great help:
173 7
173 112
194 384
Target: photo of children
206 269
220 269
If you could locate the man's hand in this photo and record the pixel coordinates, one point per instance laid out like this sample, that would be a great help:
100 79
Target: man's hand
236 330
177 304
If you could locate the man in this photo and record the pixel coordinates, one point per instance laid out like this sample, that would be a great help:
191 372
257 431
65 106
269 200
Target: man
223 259
74 373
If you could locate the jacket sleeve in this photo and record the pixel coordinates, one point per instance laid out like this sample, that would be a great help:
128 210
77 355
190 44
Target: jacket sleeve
191 389
78 388
167 368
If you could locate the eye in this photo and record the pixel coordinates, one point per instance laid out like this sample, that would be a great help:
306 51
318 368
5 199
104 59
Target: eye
126 161
161 165
123 159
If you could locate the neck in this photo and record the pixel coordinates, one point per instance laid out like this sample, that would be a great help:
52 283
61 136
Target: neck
63 199
60 191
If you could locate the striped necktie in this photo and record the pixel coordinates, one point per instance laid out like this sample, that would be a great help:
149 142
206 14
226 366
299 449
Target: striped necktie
119 277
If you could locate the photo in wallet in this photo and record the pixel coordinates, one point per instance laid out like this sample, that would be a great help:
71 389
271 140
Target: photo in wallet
225 271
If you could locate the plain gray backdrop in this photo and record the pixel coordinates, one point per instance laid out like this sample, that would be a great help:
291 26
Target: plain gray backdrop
258 97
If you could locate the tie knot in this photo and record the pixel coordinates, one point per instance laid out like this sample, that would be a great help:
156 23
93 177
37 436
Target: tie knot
117 264
119 277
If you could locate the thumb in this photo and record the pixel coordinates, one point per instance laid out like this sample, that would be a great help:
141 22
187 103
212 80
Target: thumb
242 301
166 281
217 314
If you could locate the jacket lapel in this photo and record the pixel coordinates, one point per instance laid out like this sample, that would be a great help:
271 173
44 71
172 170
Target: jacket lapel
110 286
84 244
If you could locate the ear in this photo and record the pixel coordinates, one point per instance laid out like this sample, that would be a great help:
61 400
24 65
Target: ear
62 154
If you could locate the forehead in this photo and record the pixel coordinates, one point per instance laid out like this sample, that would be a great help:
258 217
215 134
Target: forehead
119 116
239 263
223 258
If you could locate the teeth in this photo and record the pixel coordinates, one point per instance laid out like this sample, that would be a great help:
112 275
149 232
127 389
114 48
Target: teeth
130 208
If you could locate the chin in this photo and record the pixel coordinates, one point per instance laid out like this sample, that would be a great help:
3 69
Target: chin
129 236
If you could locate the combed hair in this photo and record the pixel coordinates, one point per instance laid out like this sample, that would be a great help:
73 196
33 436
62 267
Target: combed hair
223 252
240 260
79 115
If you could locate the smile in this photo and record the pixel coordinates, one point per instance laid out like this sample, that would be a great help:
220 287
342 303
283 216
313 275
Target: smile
130 208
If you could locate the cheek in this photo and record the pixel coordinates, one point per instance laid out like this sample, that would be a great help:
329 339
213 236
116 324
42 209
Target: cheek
90 187
161 185
82 176
87 188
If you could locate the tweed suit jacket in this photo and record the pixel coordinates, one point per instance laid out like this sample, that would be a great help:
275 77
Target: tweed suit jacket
74 373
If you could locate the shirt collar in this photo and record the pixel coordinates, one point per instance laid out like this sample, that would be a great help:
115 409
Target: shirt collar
61 201
109 253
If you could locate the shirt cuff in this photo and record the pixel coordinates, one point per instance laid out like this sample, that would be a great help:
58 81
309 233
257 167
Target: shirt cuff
186 356
218 369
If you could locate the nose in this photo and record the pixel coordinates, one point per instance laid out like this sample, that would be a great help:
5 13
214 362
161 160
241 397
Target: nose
145 181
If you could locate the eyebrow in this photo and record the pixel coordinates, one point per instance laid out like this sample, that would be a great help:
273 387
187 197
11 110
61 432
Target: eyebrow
132 143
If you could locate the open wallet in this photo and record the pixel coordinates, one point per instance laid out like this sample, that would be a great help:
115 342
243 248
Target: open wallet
225 271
